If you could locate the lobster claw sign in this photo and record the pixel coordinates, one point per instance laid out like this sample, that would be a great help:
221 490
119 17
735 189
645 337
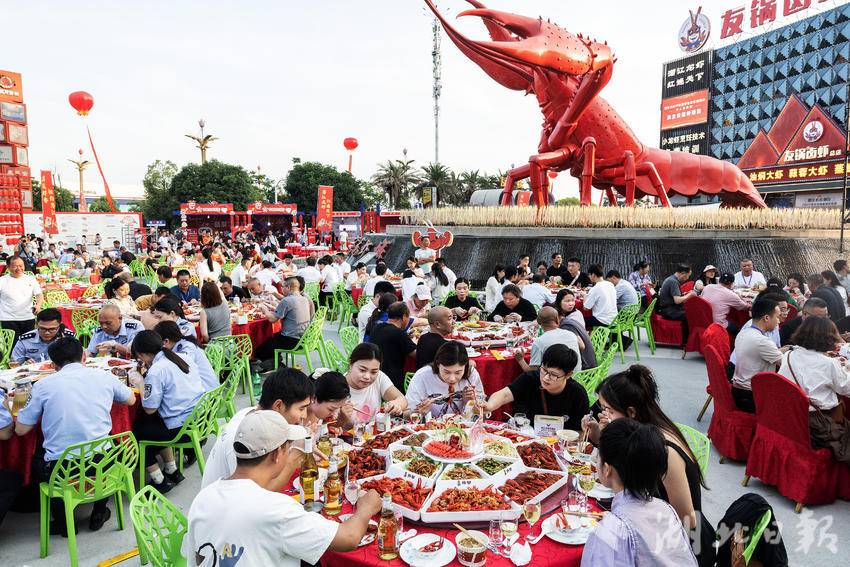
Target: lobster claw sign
436 240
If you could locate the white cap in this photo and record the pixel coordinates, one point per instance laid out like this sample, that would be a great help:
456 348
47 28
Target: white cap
263 431
709 267
423 292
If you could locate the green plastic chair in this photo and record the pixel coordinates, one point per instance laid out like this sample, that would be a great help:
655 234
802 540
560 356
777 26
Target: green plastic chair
347 309
624 322
200 424
87 472
332 357
95 290
361 301
237 351
7 342
643 321
160 527
408 376
311 290
592 377
311 341
53 297
83 315
85 330
599 339
334 307
755 535
350 338
215 355
228 267
699 444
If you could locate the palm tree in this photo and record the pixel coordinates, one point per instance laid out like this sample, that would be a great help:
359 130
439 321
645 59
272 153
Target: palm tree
396 177
469 182
439 176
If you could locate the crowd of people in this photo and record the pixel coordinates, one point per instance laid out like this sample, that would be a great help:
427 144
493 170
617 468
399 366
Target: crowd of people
644 457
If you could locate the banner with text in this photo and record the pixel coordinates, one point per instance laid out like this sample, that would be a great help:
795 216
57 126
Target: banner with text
48 204
325 208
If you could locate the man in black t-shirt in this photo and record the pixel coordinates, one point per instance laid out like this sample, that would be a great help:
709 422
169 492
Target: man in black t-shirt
513 306
440 321
821 290
574 277
557 269
231 291
391 337
549 391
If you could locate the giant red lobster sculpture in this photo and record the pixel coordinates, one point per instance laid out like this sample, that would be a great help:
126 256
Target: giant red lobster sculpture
581 132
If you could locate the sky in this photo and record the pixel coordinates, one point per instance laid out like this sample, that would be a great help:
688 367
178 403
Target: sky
281 79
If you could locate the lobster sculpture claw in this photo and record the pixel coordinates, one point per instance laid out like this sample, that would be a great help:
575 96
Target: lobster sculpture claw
582 133
436 240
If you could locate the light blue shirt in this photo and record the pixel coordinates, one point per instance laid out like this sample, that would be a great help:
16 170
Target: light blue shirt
126 333
187 328
774 335
30 345
171 392
74 406
205 369
626 294
639 532
5 416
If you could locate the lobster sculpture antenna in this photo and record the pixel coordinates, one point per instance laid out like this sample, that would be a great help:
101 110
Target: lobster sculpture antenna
582 133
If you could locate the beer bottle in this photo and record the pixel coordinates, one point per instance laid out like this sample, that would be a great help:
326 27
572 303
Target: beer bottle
387 530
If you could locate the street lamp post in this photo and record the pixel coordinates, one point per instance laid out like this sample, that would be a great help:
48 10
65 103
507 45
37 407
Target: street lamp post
81 165
203 141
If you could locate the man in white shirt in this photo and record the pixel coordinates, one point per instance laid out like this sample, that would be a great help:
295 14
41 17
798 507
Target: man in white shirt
246 517
424 255
601 299
756 351
330 277
287 267
548 320
343 239
342 267
626 292
309 272
18 291
267 275
380 271
748 277
239 274
287 392
536 292
369 307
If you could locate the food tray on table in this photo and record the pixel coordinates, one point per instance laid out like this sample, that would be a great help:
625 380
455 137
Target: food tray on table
537 454
366 463
405 487
532 484
493 334
382 441
491 505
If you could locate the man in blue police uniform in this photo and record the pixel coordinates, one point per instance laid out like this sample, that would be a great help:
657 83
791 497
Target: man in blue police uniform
10 481
74 406
115 333
32 345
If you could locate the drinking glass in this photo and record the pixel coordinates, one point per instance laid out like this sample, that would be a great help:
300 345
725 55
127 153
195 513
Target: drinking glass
352 492
359 429
531 512
520 420
509 528
415 417
586 481
497 538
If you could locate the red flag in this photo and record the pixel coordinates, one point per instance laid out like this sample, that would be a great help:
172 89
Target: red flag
325 208
48 204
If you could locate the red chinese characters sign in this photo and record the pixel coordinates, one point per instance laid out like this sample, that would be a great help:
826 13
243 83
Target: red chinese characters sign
761 12
260 208
325 208
691 108
193 208
48 204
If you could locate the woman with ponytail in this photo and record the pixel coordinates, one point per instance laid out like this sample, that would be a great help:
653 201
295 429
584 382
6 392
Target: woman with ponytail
171 389
174 340
633 394
207 268
379 315
641 529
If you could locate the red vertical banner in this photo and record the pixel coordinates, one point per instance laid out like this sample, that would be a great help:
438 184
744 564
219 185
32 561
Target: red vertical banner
48 204
325 208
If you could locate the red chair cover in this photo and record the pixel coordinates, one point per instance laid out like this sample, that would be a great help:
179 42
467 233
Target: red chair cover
699 316
665 331
687 286
781 453
731 430
718 337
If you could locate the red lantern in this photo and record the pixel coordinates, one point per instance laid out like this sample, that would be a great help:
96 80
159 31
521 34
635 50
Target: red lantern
81 101
350 144
553 174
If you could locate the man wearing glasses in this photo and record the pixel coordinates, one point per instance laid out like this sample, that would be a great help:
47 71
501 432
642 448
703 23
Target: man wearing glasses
549 391
32 345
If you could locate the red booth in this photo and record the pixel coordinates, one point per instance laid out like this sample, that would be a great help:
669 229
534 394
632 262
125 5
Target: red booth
196 218
277 217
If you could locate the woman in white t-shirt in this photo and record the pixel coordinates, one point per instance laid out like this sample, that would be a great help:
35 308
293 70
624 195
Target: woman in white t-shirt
330 401
370 388
493 289
447 384
207 268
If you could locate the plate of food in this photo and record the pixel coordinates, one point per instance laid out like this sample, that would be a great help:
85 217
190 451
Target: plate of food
371 531
427 550
567 529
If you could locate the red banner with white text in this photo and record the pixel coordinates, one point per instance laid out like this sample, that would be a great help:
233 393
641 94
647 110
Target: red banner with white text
48 204
325 208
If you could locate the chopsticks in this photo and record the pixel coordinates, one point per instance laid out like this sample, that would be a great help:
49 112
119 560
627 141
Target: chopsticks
468 534
594 515
360 411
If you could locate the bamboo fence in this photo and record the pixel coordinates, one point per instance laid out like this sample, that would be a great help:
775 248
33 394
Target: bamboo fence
690 218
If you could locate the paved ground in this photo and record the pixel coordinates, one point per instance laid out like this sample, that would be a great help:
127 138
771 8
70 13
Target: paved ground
818 536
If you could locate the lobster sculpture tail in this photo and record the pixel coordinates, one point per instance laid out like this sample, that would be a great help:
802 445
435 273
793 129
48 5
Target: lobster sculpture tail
582 134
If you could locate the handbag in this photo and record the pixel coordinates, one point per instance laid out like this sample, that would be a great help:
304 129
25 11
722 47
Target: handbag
828 429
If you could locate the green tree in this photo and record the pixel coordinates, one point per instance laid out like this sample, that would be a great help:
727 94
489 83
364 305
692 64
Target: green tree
302 186
439 176
157 184
568 202
100 205
396 178
204 183
64 198
267 186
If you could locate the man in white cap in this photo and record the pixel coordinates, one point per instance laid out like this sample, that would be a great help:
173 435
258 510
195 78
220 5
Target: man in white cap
246 518
420 302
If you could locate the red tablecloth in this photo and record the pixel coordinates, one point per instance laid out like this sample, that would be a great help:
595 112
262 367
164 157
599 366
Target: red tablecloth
545 553
16 454
356 292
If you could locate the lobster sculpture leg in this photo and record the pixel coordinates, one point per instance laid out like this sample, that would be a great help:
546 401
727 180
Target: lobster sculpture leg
582 133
